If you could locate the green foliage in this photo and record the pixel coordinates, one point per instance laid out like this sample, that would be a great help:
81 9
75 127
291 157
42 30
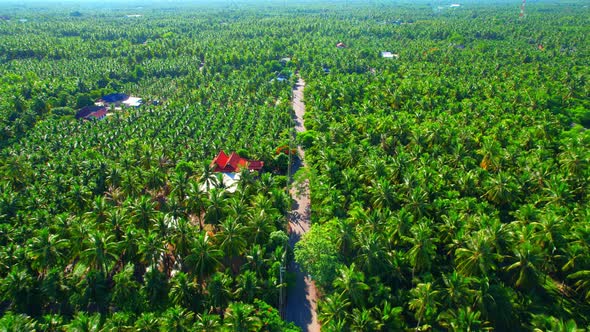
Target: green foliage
306 138
63 111
581 115
317 253
450 174
84 100
449 186
271 320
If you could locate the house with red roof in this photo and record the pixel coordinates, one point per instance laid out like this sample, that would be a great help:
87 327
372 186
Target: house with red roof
233 163
92 112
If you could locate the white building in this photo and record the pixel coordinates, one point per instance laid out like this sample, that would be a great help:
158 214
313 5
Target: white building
389 55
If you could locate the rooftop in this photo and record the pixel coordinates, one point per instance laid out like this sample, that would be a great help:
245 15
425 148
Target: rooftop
389 55
88 112
233 163
133 102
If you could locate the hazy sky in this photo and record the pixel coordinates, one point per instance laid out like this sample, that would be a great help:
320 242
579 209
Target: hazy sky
158 3
147 2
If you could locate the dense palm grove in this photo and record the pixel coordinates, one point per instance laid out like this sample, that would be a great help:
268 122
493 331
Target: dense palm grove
449 187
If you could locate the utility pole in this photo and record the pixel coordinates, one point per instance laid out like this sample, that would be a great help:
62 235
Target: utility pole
281 292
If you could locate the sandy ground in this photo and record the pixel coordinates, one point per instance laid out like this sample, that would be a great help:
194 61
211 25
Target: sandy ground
301 305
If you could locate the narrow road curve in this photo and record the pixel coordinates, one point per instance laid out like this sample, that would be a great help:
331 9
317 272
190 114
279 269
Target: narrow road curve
301 305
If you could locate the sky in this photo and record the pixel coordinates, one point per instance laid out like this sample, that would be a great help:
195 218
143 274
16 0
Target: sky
147 2
27 4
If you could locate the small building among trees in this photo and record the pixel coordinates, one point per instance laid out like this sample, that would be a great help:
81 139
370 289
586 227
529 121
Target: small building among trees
119 99
389 55
233 163
92 112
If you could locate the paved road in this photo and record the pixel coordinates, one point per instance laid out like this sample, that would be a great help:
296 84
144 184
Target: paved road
301 305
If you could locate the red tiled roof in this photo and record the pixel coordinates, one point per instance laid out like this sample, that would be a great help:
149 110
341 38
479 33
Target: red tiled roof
221 158
236 161
255 165
233 163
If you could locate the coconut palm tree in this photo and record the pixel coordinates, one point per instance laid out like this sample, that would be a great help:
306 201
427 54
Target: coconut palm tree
351 284
181 237
550 323
143 212
18 288
9 202
99 213
371 255
129 243
218 291
582 282
207 323
126 289
496 303
424 301
204 257
363 320
247 286
239 317
119 321
216 206
238 208
82 322
183 291
260 225
155 289
491 152
49 322
150 249
423 249
206 176
456 290
100 251
417 202
46 250
477 256
333 309
398 228
231 239
256 260
345 229
463 319
177 319
196 201
390 317
118 221
180 182
501 189
147 321
526 262
383 194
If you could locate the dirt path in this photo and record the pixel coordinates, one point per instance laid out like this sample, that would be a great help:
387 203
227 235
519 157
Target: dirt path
301 305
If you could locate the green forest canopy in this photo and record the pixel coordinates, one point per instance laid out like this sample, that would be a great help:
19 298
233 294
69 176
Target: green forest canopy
449 186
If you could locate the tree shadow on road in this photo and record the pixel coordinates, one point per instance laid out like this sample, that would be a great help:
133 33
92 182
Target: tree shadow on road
298 310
